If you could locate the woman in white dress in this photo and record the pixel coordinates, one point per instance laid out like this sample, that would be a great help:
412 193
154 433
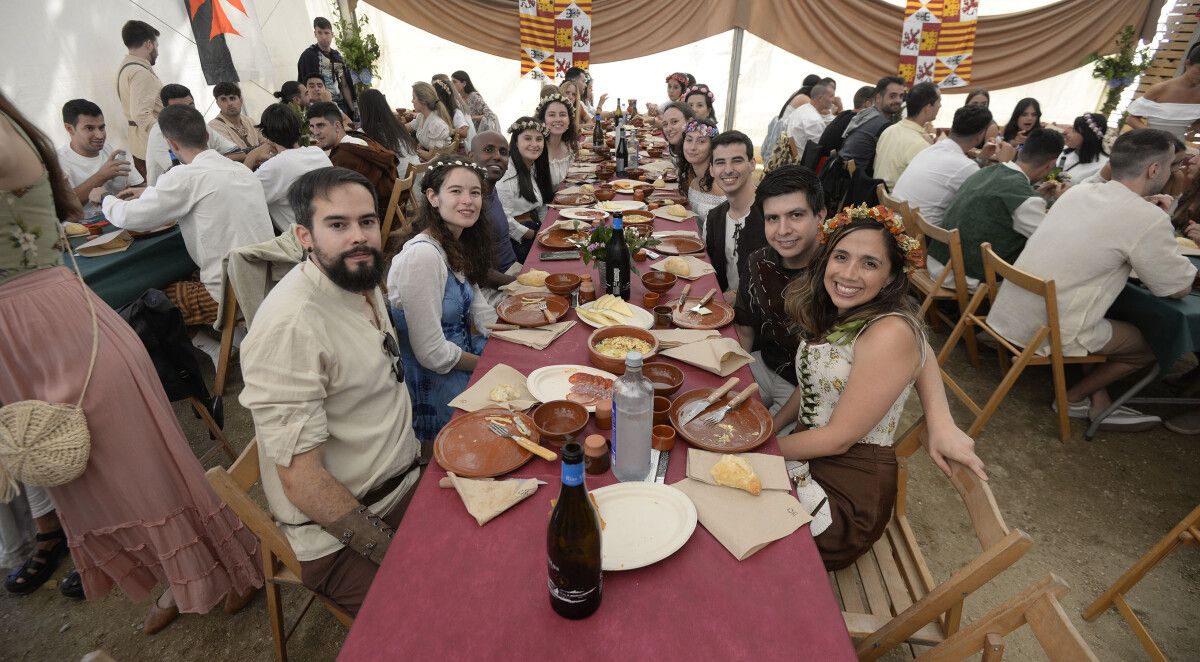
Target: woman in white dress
525 189
1172 105
861 348
460 118
1084 154
432 122
695 178
558 114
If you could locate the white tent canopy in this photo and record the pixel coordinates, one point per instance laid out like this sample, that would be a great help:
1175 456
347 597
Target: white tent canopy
41 73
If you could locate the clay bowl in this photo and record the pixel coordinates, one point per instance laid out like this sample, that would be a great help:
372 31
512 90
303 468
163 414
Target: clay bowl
637 217
604 193
634 173
665 377
559 421
613 364
657 281
654 152
562 284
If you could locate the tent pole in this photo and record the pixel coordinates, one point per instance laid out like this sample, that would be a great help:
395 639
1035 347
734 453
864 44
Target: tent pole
735 66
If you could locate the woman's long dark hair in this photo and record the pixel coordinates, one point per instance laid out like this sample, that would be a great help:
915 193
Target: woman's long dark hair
462 77
446 95
571 135
685 170
471 253
703 91
808 303
380 124
529 184
1093 145
66 205
1011 129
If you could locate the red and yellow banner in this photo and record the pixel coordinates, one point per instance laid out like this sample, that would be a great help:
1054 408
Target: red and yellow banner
937 41
555 36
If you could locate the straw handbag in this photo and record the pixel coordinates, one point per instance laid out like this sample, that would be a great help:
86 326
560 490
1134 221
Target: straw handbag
43 443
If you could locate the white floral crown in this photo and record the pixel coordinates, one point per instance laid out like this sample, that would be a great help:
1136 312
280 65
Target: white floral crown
458 163
526 125
552 98
1092 125
444 85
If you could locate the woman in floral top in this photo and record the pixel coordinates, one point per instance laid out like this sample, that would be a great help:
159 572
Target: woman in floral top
852 304
481 114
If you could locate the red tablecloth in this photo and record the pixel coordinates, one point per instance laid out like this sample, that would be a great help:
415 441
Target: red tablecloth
450 589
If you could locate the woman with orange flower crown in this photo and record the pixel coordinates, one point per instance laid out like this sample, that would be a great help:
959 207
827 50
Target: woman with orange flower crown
861 347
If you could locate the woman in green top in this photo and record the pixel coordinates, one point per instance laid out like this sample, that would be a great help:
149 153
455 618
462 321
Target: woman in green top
142 512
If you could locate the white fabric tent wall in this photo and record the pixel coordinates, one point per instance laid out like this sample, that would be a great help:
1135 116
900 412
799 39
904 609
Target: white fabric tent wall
57 50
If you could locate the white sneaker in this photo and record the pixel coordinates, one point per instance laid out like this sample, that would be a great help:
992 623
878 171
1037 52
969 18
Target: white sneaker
1081 410
1127 419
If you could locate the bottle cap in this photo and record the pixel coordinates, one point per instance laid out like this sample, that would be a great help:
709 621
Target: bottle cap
595 445
633 360
618 221
572 453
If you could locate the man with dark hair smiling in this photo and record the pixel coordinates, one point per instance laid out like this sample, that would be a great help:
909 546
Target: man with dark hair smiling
158 152
900 142
336 448
285 161
88 161
792 205
490 150
733 230
353 149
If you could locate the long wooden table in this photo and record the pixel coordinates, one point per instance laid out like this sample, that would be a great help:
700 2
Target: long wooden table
450 589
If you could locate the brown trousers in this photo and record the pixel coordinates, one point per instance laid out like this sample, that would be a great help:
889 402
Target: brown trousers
861 486
343 577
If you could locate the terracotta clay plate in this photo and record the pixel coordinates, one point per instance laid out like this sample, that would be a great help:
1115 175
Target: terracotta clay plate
560 239
721 315
515 309
745 428
468 448
679 246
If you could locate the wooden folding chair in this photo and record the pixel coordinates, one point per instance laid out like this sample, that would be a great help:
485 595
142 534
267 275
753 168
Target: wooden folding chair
214 430
993 266
1187 531
889 597
279 563
925 287
396 205
229 322
1038 607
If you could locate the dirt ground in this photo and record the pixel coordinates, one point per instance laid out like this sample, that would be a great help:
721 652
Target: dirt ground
1092 508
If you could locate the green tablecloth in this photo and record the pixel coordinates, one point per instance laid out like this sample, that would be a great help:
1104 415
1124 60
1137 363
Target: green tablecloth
1171 326
150 262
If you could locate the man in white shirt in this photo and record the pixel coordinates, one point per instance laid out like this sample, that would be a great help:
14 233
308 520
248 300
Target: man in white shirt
286 161
88 161
158 152
1088 244
219 204
336 447
902 141
808 122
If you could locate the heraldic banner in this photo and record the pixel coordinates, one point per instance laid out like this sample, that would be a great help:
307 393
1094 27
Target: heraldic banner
555 36
937 42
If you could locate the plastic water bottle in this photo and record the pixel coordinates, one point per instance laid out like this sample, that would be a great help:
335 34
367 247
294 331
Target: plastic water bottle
633 411
634 157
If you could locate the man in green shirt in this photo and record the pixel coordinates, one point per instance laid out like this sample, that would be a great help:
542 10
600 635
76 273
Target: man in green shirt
999 204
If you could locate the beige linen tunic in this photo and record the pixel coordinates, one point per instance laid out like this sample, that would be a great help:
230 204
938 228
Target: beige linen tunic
138 87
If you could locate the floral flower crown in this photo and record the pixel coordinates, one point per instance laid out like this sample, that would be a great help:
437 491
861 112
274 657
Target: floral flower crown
696 126
444 85
914 257
679 78
552 98
458 163
1092 125
699 89
526 125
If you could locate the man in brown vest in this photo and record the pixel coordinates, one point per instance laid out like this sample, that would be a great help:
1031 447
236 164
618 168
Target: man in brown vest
353 150
138 86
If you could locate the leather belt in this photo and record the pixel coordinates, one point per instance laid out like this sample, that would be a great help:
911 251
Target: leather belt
382 490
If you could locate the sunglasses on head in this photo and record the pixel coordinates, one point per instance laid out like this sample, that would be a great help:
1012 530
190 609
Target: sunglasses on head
392 349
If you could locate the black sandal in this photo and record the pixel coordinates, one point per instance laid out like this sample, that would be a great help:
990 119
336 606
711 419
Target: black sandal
72 585
39 567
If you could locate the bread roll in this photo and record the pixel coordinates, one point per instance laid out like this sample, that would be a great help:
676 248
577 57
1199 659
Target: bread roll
74 229
677 266
733 471
678 211
533 278
504 393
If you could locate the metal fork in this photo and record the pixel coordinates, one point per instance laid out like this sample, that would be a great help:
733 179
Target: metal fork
716 415
544 453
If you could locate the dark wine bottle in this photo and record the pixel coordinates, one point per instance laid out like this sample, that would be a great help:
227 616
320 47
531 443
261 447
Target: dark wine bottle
598 134
622 150
573 543
616 259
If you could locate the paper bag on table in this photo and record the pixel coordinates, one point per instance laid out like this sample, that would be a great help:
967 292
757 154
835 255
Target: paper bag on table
537 337
740 521
105 244
663 234
720 356
485 498
479 395
668 338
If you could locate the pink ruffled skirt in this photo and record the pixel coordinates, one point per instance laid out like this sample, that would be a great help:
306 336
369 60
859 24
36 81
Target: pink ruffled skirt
142 513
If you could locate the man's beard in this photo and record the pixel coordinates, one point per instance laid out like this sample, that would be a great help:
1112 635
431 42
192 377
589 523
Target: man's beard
361 279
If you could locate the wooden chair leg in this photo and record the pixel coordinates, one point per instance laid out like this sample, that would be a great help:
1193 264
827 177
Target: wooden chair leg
213 428
274 608
1060 398
993 648
1006 384
223 358
972 349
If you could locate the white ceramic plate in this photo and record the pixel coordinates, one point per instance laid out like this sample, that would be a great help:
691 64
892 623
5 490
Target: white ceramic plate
582 214
621 205
642 318
661 212
552 382
644 523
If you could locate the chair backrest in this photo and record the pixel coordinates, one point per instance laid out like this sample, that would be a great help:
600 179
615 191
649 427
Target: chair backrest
395 208
233 486
994 265
953 240
1038 607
